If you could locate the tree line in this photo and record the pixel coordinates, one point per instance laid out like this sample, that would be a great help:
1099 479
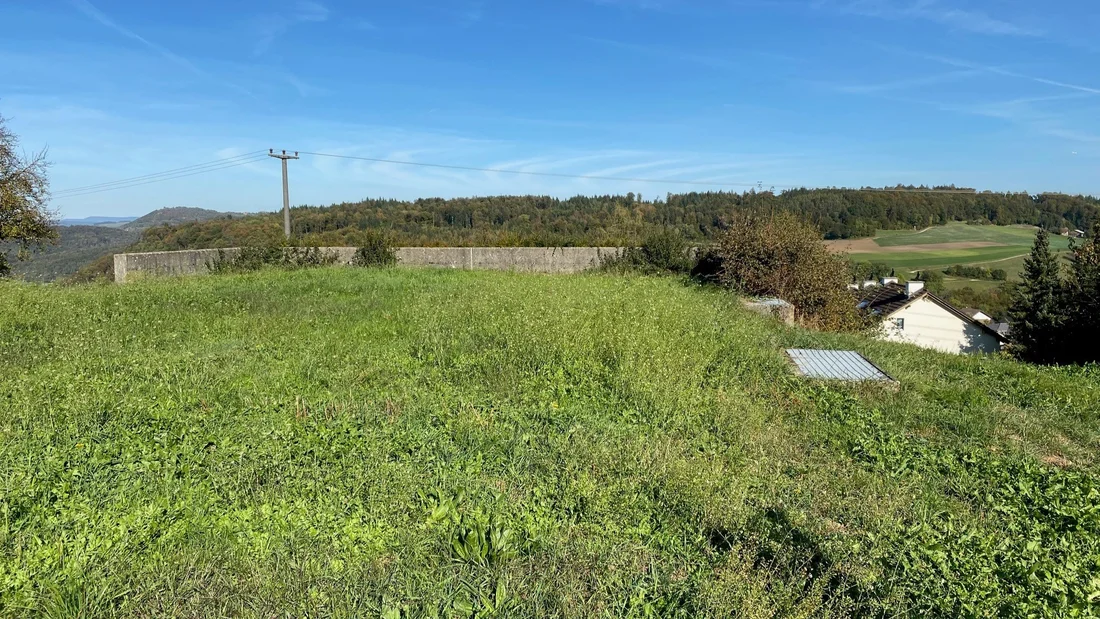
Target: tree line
621 220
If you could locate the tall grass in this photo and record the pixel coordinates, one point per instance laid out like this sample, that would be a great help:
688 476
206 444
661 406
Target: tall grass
398 443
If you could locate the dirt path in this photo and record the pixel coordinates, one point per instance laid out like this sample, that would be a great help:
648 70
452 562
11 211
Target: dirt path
1004 259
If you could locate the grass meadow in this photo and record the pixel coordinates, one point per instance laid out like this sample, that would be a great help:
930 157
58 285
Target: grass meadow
420 443
1009 246
958 232
942 258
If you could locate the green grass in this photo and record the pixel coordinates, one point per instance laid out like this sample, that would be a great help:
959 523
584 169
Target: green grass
957 232
1014 243
399 443
955 283
917 260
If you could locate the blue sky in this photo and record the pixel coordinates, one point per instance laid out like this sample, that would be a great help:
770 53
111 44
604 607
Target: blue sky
997 94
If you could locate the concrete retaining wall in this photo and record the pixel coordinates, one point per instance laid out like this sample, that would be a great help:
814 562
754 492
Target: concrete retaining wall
525 259
161 263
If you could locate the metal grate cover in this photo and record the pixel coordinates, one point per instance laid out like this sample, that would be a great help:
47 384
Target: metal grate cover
835 365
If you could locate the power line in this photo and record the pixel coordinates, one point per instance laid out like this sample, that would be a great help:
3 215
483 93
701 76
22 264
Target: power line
167 178
154 178
210 164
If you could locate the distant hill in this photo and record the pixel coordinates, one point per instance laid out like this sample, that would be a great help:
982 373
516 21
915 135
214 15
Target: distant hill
96 221
98 238
172 216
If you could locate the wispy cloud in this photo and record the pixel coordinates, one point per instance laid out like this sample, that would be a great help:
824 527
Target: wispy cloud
467 14
304 88
939 11
473 14
910 82
1009 73
635 4
930 10
1026 113
725 60
556 164
975 21
89 9
635 167
656 51
1036 114
274 25
693 171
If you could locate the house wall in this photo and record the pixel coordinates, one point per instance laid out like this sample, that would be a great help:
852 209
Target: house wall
930 326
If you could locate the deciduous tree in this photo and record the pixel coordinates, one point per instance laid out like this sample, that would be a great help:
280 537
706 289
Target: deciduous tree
783 256
25 220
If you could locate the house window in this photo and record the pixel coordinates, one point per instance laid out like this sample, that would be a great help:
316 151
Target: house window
899 323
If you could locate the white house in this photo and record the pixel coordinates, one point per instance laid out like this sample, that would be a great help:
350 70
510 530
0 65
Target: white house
912 314
978 315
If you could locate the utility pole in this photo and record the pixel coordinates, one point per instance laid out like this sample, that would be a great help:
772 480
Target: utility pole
286 187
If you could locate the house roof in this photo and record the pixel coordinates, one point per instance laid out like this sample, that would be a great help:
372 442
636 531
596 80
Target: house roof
887 299
890 299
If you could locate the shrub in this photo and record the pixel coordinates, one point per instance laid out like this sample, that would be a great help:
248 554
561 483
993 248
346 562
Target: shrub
101 270
933 281
862 271
376 251
994 301
256 258
975 272
665 251
708 267
782 255
999 275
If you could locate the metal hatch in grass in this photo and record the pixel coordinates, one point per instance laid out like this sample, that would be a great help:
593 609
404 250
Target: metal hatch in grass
835 365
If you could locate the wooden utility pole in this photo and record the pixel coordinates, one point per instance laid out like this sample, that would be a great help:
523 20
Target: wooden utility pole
286 187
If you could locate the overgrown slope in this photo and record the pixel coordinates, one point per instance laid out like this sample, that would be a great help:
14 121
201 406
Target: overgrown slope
435 443
89 249
76 247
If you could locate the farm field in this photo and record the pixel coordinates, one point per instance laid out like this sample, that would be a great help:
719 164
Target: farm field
939 247
421 443
957 232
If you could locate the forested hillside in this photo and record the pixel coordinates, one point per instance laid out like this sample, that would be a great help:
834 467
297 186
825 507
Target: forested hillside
76 246
91 246
618 220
